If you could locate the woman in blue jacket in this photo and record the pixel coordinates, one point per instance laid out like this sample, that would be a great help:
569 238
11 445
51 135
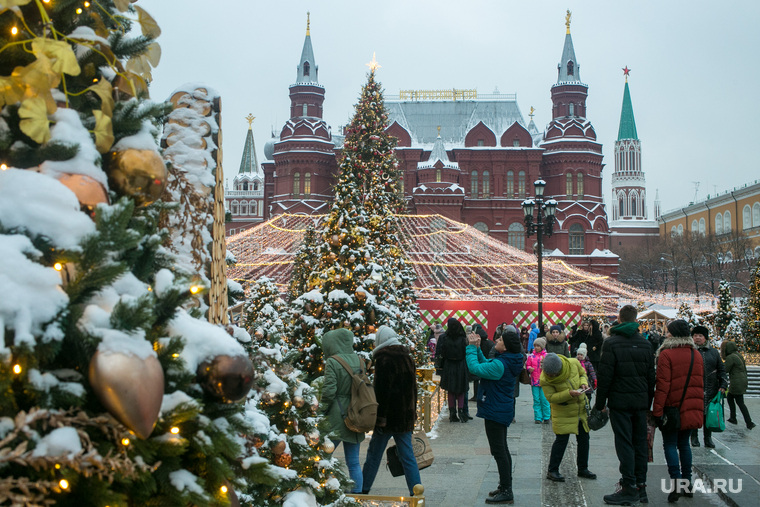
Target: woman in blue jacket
496 400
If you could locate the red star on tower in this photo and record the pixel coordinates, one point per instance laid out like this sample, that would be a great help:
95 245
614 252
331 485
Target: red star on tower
626 71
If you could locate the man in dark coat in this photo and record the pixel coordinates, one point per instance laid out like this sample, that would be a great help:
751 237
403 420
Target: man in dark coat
715 377
625 384
454 376
580 335
396 391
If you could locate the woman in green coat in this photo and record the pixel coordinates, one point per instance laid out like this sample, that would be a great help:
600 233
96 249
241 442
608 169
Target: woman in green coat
336 395
565 383
737 382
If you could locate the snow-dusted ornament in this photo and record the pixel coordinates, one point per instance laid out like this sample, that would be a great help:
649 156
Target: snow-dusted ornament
227 378
140 174
131 388
89 191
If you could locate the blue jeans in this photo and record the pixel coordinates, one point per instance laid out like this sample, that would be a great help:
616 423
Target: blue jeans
676 445
405 454
540 404
351 453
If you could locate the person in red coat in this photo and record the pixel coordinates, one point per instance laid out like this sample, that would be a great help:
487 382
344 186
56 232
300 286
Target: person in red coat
673 359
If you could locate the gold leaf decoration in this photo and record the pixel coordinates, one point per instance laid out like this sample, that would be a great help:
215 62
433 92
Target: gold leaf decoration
154 54
35 121
104 90
11 90
149 26
140 66
121 5
60 53
103 131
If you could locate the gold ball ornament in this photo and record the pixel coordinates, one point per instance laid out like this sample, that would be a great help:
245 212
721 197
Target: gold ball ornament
328 447
140 174
129 387
257 442
89 191
227 378
298 401
278 447
283 460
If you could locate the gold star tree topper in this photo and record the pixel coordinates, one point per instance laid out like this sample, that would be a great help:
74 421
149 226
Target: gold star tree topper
373 65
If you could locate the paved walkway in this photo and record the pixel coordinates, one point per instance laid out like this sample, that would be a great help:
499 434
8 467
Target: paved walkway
464 472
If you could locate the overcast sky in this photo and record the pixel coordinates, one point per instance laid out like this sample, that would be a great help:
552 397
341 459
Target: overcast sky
694 72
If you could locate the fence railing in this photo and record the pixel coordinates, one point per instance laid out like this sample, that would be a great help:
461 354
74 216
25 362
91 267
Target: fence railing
429 399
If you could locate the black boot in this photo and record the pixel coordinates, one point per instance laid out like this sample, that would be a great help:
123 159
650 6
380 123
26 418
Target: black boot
694 438
708 439
463 417
453 414
643 498
628 495
502 496
687 491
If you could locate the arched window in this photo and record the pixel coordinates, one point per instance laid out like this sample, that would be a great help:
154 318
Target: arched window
481 226
747 217
579 183
727 222
486 185
572 109
305 110
621 207
510 184
694 227
437 175
306 68
757 252
702 226
680 229
297 183
728 257
569 184
474 184
255 185
521 183
245 185
234 208
516 235
254 210
307 183
673 231
244 208
718 224
576 234
756 214
633 204
570 68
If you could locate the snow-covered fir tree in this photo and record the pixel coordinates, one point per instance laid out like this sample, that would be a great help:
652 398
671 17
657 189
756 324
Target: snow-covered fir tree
264 309
304 263
686 313
726 312
751 313
362 279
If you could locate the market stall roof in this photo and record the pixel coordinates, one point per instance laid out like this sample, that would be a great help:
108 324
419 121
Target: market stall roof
658 314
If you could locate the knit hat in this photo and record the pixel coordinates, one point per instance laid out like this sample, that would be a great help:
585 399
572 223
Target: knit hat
680 328
697 330
552 364
511 339
385 337
539 342
582 351
555 328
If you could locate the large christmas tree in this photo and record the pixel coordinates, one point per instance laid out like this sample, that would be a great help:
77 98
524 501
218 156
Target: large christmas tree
726 313
114 390
362 279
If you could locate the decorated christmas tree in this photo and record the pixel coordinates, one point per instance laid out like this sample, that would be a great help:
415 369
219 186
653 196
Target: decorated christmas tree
303 265
726 312
686 313
263 311
751 314
114 388
361 280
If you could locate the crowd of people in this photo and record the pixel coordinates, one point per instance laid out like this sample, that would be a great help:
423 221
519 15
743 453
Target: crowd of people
666 374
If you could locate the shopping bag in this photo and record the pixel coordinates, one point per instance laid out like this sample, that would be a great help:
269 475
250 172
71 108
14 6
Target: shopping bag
715 419
423 453
525 377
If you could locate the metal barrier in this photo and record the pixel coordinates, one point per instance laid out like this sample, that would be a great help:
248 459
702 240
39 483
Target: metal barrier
429 399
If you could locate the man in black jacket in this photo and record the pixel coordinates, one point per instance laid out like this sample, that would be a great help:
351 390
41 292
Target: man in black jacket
715 377
625 384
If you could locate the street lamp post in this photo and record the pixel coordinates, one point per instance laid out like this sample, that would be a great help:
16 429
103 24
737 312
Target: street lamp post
544 224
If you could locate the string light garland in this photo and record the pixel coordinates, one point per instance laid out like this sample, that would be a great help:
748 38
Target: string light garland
450 259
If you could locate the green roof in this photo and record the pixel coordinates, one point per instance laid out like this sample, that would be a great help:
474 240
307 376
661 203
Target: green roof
627 122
